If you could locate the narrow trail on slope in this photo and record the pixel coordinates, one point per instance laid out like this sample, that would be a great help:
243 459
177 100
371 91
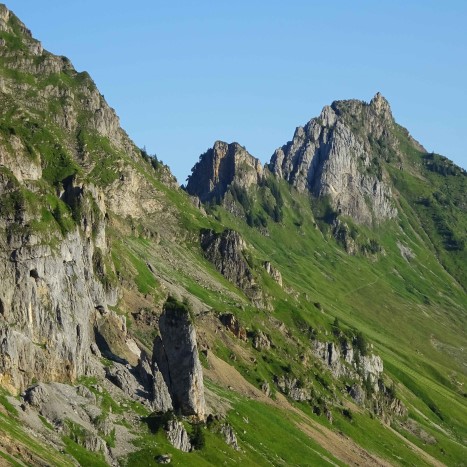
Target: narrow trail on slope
362 287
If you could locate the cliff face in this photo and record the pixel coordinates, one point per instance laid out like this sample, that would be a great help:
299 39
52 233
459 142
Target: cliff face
50 293
332 156
225 252
221 166
48 300
65 167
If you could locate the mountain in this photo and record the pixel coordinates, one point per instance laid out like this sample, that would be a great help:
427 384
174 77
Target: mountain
309 311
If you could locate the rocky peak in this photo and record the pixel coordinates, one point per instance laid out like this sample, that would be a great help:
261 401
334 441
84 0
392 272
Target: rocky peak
332 156
35 80
221 166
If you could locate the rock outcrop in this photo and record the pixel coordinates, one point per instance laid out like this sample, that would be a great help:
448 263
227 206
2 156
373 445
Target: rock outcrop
176 356
332 156
366 371
345 361
177 435
293 388
72 411
273 272
230 436
261 341
219 167
233 325
225 251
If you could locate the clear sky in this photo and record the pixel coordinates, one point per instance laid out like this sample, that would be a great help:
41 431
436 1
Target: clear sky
182 74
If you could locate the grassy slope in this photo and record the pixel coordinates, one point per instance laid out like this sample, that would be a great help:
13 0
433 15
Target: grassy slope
411 311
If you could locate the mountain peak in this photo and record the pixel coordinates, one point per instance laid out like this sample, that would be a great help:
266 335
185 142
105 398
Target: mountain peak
332 156
221 166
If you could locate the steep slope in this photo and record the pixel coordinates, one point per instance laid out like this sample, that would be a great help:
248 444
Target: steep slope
119 286
72 186
66 164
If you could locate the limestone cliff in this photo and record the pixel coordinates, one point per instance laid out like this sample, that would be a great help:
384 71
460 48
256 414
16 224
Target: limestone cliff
48 301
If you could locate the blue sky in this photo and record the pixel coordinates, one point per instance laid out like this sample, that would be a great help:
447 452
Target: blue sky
183 74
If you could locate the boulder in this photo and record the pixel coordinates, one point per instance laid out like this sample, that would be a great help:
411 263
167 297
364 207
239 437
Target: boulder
164 459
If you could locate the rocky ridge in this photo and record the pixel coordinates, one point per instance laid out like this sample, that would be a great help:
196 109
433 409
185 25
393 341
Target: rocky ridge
333 157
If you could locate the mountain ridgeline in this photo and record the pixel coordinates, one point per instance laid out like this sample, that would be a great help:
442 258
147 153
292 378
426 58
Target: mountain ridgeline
309 311
354 161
